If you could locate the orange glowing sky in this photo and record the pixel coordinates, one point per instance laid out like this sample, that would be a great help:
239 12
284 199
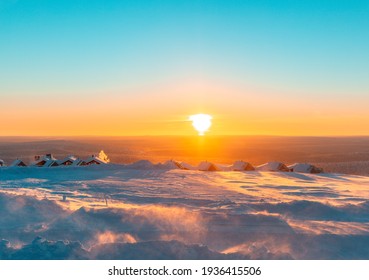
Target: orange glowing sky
143 67
165 111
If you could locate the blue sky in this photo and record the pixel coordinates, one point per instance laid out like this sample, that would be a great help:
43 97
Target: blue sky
286 48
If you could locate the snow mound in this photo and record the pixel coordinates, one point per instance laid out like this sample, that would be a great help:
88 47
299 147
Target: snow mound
273 166
305 168
207 166
187 166
42 249
171 164
241 166
22 210
156 250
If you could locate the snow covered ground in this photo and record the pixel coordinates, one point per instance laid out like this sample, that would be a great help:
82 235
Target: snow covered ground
154 212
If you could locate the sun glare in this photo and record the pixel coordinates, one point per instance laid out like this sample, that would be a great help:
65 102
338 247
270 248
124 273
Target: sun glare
201 122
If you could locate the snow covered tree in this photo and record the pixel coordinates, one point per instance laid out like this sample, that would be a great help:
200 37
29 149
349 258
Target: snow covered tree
104 156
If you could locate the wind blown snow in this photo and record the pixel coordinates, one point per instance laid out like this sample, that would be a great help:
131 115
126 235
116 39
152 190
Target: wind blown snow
147 211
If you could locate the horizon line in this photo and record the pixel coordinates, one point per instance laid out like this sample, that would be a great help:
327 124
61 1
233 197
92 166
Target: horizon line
183 135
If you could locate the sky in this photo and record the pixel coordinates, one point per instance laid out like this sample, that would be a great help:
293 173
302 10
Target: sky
259 67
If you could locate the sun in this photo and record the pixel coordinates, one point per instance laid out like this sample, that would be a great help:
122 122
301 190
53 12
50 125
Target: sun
201 122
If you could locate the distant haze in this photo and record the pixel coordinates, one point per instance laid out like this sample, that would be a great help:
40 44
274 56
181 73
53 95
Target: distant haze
336 154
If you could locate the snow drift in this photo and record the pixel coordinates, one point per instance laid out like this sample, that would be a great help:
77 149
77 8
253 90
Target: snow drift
153 211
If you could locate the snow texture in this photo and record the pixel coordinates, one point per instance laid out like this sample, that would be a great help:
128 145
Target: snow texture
159 211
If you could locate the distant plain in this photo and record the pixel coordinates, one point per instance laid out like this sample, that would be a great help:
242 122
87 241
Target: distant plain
349 155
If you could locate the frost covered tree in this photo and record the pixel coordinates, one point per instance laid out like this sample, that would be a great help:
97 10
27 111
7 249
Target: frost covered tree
104 156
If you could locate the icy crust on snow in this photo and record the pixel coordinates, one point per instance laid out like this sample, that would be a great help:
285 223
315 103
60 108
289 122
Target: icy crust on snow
115 212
